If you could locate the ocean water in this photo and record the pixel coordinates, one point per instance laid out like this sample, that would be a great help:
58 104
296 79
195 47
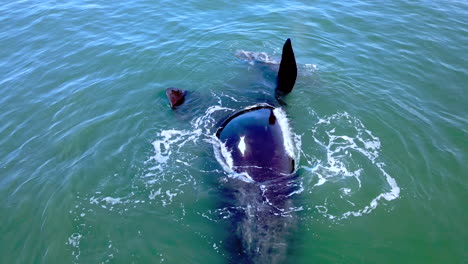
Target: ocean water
96 168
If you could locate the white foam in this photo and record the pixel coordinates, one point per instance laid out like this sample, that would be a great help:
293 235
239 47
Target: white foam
256 106
252 57
298 191
206 121
286 131
74 241
111 200
339 149
171 195
163 147
243 176
346 191
311 67
227 157
103 201
153 194
173 148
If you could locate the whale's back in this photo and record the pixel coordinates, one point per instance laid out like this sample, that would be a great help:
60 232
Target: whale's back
255 140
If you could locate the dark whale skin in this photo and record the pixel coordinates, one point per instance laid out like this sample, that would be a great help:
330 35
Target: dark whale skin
262 155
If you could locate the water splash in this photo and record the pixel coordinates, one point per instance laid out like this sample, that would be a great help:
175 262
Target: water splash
346 150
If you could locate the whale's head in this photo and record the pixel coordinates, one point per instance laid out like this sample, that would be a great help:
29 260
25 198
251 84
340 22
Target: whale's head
257 142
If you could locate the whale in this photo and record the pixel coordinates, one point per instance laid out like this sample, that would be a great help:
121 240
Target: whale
256 144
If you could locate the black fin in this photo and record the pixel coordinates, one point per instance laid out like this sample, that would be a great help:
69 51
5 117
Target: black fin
287 73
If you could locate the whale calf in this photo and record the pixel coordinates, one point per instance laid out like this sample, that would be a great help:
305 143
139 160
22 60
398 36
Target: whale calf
255 142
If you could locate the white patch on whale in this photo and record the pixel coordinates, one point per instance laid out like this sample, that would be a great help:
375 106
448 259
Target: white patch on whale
242 147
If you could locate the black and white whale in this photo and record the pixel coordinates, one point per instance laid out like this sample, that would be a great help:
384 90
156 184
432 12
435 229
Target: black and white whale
255 143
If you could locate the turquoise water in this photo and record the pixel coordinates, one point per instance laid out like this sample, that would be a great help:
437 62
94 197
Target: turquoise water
95 167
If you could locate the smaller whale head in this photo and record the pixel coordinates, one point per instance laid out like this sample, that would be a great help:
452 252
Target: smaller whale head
176 96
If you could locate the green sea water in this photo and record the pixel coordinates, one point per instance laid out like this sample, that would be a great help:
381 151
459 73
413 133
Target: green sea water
96 168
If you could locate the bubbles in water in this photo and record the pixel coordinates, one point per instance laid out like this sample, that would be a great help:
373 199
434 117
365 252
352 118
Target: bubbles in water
346 150
74 241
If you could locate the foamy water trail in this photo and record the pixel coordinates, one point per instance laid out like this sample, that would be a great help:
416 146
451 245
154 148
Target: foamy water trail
347 150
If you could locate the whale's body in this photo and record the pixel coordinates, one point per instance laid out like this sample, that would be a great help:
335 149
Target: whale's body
256 143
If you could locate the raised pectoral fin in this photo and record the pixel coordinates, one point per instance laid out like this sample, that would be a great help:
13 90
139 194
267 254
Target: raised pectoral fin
287 73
